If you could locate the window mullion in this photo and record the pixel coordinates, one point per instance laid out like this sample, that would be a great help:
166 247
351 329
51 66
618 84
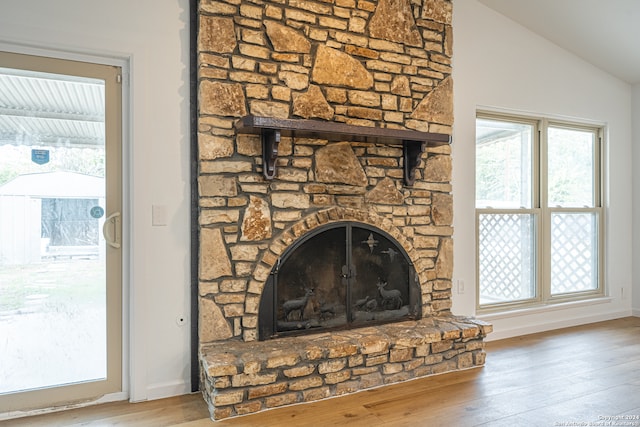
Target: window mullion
543 235
597 173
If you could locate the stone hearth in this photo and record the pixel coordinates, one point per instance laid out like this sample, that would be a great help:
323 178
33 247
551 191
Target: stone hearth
382 64
242 378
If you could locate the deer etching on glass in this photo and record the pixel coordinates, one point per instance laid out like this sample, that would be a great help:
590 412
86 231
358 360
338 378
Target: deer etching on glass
367 304
297 304
359 305
390 298
327 310
371 305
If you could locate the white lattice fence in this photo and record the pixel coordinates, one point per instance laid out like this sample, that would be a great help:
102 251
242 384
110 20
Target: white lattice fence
506 257
573 252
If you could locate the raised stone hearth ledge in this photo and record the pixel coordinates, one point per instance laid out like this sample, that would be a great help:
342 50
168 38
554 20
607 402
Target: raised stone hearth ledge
241 378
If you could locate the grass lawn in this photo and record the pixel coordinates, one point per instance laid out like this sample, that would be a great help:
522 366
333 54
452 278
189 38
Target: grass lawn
52 324
60 283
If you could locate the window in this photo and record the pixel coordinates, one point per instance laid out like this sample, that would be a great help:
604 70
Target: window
539 211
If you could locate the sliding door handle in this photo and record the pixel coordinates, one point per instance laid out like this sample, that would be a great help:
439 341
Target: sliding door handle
113 219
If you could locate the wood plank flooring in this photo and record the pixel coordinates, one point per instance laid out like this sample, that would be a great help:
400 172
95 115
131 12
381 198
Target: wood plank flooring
573 376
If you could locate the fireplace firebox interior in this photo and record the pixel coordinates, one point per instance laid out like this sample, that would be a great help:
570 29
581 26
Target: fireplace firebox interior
340 276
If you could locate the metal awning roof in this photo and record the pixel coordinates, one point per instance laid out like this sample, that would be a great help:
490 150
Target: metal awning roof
49 109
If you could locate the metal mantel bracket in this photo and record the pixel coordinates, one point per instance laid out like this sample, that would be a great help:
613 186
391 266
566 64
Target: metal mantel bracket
412 153
270 140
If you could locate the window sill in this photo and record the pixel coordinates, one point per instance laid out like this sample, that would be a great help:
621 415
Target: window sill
539 309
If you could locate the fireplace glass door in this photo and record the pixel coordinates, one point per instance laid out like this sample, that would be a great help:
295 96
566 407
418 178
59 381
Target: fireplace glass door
340 276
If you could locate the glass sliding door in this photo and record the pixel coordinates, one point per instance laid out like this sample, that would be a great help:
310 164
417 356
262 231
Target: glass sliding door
60 234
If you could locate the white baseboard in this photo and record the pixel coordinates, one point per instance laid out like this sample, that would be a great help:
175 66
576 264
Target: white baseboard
502 331
168 389
635 312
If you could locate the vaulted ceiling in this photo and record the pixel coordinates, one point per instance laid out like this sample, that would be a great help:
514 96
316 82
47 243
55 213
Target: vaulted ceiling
604 33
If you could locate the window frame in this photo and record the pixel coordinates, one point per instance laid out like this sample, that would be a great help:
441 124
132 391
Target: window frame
542 213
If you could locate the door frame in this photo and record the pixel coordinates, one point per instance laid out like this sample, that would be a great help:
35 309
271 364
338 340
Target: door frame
119 388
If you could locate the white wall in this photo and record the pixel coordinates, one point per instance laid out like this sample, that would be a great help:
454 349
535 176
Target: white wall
153 37
636 198
499 64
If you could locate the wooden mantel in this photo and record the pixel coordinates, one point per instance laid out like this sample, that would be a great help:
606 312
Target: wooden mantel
271 129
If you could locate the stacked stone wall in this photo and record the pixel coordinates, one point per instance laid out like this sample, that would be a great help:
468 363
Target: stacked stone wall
369 63
383 64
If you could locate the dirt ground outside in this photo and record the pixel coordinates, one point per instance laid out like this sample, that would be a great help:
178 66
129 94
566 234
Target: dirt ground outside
52 324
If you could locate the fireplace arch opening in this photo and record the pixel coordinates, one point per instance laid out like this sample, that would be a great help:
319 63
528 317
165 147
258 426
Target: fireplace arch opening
339 276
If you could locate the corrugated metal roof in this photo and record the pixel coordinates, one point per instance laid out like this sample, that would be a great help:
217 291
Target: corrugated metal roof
40 108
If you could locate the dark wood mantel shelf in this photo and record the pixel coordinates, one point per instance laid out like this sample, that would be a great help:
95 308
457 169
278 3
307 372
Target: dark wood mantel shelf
271 129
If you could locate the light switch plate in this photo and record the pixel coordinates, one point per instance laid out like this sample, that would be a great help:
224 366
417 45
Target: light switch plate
158 215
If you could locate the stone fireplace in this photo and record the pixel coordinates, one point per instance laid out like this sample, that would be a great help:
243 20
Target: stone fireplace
325 223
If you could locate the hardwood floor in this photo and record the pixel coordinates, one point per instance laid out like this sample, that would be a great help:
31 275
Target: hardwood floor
574 376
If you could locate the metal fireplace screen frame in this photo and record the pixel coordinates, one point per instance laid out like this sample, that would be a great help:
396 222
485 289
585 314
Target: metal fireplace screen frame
339 276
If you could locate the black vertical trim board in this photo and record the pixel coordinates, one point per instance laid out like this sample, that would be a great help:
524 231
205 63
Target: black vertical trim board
193 89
